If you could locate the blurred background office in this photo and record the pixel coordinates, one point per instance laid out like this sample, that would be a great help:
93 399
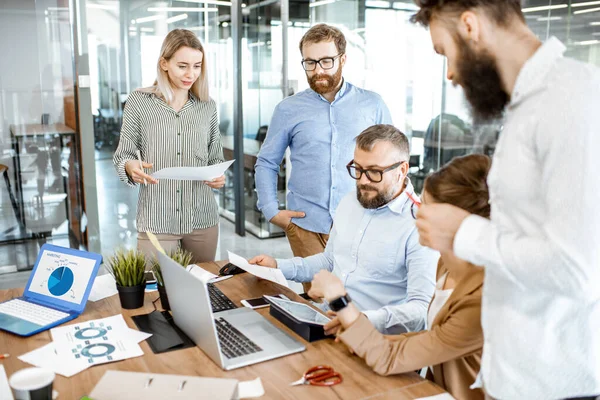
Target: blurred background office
67 66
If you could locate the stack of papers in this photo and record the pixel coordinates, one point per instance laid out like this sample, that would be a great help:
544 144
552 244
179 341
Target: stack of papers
80 346
269 274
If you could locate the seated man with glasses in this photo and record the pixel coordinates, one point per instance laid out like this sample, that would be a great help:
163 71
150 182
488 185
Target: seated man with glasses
374 246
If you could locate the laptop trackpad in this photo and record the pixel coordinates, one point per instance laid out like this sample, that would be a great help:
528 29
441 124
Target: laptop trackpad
17 325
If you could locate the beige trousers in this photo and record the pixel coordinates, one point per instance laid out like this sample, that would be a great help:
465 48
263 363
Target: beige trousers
202 243
305 243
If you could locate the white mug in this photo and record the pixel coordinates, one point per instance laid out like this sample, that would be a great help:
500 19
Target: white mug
32 384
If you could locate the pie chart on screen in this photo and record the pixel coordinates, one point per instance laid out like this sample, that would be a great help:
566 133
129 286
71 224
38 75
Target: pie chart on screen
60 281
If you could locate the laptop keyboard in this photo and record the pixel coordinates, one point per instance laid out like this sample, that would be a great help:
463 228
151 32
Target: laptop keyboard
233 342
31 312
218 300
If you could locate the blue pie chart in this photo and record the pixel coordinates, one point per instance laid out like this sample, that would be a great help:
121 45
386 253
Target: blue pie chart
60 281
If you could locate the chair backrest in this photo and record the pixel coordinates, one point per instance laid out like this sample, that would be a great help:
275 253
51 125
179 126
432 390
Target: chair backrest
261 135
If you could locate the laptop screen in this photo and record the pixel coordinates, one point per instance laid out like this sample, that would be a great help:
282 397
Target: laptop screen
63 275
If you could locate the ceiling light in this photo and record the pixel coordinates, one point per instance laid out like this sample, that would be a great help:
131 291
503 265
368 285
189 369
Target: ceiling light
321 3
589 10
182 9
544 8
176 18
597 23
225 24
587 3
586 43
148 19
213 2
541 19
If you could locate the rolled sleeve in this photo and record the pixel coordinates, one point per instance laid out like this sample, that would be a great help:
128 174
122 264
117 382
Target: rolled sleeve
466 240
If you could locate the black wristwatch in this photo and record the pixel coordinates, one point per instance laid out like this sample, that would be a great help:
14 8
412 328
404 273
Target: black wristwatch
340 303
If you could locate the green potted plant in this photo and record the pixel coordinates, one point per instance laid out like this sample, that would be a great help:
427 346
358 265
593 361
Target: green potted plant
181 257
128 268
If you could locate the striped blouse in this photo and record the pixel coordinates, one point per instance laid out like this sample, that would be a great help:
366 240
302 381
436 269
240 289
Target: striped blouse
165 138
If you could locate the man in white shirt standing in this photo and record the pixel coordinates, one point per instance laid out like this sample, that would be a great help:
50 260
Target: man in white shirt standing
541 248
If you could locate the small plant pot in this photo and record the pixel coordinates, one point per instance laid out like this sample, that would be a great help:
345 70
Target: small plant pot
132 297
164 299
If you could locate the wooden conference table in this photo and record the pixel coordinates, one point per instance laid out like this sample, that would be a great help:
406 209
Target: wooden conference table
276 375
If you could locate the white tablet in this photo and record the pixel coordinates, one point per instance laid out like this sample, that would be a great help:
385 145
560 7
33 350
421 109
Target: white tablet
299 311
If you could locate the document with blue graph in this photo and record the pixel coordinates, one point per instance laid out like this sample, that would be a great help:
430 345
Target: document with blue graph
97 342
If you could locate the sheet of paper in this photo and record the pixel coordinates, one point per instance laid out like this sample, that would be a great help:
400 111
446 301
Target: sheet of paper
193 173
96 342
104 286
250 389
200 273
270 274
204 275
5 392
46 357
443 396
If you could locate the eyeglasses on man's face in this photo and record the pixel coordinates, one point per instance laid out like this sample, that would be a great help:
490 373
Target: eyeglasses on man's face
325 63
374 175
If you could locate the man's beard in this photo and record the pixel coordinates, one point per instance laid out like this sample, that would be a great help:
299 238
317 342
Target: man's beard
332 82
479 77
380 199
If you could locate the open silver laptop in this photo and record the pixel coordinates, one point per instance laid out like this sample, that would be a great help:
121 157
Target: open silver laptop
233 338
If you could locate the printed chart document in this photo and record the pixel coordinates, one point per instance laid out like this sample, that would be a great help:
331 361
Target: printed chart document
270 274
193 173
46 357
96 342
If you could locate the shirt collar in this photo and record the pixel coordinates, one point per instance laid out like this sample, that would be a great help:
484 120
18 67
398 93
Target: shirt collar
397 205
534 72
339 94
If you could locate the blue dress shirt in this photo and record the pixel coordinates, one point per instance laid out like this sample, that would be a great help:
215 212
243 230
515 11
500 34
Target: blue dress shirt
377 255
320 136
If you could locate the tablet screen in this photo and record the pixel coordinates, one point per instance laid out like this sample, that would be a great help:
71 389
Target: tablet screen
300 311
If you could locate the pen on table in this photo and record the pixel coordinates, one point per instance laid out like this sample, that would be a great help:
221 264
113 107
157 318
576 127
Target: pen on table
141 165
3 356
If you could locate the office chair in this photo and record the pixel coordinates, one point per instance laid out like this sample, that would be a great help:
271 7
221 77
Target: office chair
261 135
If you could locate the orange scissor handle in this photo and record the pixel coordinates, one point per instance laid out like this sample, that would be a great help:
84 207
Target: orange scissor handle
322 376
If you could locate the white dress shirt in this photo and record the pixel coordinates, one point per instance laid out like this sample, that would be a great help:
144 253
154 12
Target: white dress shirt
377 255
541 249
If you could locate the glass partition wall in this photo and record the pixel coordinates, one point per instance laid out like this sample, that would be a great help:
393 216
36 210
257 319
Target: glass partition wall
40 182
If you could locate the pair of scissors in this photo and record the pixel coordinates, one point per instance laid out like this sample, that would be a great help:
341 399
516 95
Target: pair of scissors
321 375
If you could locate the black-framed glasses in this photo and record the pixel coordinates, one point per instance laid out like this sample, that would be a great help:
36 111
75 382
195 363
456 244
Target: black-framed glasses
325 63
374 175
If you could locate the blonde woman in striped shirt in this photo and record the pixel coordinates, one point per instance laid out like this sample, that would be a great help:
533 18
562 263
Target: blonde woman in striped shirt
173 124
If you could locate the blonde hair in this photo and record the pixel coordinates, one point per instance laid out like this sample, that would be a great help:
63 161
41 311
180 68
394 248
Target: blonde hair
175 40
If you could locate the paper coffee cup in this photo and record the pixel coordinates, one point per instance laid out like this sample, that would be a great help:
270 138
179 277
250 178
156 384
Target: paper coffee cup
32 384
